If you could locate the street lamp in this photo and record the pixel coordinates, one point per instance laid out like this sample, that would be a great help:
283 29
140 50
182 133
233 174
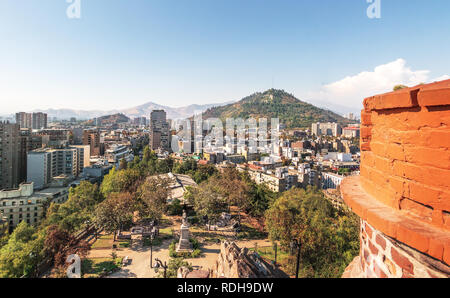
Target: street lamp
296 245
152 236
159 263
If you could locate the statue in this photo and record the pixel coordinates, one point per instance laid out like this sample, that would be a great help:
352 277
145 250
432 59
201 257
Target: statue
184 245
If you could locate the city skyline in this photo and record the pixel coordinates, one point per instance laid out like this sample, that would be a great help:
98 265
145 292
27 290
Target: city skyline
328 57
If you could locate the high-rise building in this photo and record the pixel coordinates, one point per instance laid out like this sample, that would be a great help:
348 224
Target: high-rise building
39 121
92 138
159 130
45 164
9 155
31 120
28 142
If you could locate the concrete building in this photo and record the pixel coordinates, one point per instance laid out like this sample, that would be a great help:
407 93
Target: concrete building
159 130
31 120
118 152
92 138
23 204
83 156
331 180
327 129
28 142
10 148
44 164
350 132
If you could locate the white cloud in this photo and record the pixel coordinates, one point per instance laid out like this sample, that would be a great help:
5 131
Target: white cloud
351 90
441 78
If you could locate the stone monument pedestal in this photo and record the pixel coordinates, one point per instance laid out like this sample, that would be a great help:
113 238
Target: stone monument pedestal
184 245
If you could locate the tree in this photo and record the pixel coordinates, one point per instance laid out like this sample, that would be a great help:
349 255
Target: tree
329 239
399 87
233 188
123 165
114 212
208 200
152 195
73 214
60 244
294 213
23 251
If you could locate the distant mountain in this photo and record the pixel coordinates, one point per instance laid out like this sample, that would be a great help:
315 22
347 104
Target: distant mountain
275 104
139 111
108 120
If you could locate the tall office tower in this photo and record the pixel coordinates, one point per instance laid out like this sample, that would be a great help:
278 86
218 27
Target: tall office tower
9 155
159 130
92 138
31 120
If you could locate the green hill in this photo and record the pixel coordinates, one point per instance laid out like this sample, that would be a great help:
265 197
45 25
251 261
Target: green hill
276 104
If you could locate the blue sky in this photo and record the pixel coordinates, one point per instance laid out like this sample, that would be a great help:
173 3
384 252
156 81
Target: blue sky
123 53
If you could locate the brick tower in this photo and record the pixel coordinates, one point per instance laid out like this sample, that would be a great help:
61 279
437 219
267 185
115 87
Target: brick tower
403 193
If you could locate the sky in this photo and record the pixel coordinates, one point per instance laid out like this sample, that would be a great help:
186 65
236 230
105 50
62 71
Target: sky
124 53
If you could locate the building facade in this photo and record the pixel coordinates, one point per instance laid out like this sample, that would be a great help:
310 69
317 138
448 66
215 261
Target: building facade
159 130
31 120
23 204
10 153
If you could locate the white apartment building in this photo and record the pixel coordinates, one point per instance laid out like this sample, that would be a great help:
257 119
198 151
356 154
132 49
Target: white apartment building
23 204
331 180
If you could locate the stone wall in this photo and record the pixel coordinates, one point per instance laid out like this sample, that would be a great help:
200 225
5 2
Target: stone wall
234 262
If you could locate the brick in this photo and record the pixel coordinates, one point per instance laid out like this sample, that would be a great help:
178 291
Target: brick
373 248
368 231
405 98
402 261
390 266
365 132
424 212
365 146
446 256
413 236
439 158
380 241
378 271
366 118
436 249
395 151
406 274
434 97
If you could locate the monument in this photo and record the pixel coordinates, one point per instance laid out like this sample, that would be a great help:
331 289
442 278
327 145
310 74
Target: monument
184 245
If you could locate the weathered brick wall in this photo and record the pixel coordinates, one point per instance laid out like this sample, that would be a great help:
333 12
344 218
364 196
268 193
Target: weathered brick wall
403 193
384 257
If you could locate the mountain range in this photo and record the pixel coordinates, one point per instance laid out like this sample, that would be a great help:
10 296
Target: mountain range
138 111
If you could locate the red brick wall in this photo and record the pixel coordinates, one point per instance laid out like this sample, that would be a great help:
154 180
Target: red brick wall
383 257
405 155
